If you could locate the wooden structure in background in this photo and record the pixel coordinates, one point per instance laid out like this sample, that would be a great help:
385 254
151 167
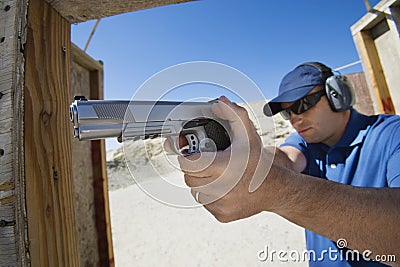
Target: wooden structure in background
376 36
14 245
90 184
79 11
37 213
364 102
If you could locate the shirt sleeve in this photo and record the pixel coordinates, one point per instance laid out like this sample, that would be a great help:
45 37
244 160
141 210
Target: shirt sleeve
295 140
393 170
393 164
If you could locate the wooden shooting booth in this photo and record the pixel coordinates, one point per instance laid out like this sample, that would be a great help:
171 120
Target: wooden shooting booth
53 191
377 39
44 174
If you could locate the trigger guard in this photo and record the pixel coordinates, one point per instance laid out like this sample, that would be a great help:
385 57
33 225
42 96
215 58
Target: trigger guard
174 145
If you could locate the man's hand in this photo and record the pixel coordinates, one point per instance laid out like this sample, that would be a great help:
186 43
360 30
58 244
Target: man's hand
231 183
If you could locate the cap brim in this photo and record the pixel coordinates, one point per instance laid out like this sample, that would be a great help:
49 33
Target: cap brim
274 106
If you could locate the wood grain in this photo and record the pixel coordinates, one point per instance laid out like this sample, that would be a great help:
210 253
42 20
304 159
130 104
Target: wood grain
373 69
79 11
89 171
13 238
49 187
100 182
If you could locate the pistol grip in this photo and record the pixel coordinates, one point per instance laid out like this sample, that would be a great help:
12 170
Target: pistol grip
218 134
206 135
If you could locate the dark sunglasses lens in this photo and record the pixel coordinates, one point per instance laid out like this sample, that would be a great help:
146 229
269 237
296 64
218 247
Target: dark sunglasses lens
285 114
305 105
302 105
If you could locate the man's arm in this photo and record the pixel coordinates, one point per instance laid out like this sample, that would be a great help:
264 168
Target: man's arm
380 206
296 159
366 217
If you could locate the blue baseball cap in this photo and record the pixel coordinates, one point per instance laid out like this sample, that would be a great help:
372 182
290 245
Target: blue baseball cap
296 84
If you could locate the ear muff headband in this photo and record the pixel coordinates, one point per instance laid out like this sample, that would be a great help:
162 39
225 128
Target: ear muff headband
339 90
325 71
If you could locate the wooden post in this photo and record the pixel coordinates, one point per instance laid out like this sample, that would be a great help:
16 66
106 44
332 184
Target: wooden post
13 236
101 184
372 66
37 222
48 162
376 38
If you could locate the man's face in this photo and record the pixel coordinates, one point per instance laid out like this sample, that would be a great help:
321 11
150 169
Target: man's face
319 123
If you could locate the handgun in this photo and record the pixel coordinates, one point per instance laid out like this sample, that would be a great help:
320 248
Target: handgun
191 127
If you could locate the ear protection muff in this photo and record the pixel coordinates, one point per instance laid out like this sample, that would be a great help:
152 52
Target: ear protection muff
339 90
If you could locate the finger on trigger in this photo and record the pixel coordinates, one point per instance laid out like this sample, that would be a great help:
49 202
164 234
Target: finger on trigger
168 146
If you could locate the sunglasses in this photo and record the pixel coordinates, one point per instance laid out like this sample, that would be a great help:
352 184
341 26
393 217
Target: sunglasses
303 104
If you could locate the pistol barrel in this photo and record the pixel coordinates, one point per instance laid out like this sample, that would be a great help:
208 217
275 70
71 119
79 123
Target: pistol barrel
98 119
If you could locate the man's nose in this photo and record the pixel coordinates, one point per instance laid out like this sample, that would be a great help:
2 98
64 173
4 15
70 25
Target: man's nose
295 118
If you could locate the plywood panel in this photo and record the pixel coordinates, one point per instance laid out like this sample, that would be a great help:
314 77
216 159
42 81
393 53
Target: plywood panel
388 48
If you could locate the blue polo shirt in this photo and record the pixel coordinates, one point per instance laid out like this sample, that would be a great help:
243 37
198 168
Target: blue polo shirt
367 155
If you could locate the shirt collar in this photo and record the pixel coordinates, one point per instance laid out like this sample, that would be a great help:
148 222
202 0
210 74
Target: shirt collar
356 129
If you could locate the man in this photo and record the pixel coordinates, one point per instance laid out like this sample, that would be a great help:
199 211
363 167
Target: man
337 176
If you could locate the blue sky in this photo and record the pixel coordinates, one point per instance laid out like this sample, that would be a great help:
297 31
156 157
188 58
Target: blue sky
264 39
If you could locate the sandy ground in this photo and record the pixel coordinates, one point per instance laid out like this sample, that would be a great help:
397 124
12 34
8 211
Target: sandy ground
149 233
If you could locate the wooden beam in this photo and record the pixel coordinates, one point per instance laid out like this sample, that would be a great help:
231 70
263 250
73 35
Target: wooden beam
79 11
373 17
373 68
103 219
85 61
48 162
100 182
13 236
